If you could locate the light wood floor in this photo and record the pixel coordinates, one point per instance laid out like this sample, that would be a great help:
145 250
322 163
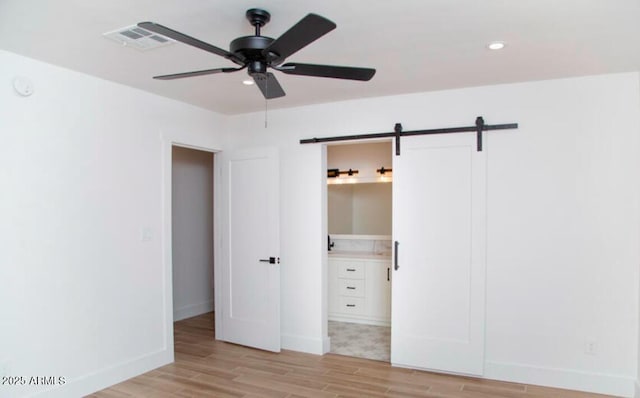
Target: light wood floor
208 368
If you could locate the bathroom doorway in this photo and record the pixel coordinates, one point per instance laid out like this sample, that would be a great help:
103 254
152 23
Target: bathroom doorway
359 211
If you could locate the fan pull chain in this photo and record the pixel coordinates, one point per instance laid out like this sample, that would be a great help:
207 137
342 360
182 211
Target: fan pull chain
266 110
266 100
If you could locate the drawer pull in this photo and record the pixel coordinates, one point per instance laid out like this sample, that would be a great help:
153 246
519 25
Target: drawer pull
351 287
351 305
351 269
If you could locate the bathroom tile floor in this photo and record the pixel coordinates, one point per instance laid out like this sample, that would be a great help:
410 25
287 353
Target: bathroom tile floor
362 341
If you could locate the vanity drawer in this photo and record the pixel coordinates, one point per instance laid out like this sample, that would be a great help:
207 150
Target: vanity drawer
351 269
351 287
352 305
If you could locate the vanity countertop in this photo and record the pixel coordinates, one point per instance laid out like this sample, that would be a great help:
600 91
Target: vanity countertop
362 255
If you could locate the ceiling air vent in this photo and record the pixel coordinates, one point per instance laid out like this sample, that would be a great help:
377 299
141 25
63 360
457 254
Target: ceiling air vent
138 38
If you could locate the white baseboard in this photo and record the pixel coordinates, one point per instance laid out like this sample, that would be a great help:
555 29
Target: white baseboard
90 383
361 321
303 344
637 392
561 378
326 345
190 311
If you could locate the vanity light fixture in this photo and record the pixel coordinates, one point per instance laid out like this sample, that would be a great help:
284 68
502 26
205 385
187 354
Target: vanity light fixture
334 173
382 170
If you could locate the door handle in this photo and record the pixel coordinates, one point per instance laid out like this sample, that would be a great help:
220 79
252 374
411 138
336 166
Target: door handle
395 257
270 260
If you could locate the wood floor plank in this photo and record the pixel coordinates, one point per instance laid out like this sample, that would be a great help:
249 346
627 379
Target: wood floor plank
540 391
301 381
245 388
286 387
205 368
493 391
110 393
382 383
201 387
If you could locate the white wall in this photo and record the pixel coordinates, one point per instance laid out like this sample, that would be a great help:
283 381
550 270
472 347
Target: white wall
85 170
637 387
192 237
563 235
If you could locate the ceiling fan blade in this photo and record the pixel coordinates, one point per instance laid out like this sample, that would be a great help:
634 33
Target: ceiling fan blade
181 37
336 72
197 73
306 31
269 85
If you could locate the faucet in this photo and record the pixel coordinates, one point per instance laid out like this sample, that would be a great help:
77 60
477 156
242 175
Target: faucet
329 243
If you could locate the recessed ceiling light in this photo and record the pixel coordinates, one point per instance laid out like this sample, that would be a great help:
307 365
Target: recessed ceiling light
496 45
247 82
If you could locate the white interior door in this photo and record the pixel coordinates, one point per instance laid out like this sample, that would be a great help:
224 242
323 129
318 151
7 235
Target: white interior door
249 269
439 222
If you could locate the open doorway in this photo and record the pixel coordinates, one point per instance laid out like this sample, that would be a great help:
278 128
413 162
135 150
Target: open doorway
192 232
359 212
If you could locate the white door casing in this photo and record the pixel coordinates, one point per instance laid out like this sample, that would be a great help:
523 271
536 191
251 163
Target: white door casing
439 222
249 232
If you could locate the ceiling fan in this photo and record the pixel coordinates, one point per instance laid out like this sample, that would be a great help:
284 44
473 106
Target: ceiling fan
258 53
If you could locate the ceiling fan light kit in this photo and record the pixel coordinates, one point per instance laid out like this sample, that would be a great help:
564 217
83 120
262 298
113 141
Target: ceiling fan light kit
496 45
258 53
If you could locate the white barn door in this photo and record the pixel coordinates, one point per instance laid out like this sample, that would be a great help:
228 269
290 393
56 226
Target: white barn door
439 223
249 265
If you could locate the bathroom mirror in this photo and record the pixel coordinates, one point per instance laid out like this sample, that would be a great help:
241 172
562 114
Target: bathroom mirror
359 209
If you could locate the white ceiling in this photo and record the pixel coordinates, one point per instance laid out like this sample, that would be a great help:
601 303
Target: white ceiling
415 45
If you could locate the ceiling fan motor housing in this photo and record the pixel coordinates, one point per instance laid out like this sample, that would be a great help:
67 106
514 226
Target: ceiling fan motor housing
251 48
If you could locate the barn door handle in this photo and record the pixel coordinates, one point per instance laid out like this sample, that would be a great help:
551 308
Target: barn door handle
270 260
395 257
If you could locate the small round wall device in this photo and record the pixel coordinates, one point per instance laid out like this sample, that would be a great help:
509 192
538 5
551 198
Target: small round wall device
23 86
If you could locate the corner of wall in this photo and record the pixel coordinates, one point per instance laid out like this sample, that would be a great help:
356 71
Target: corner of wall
326 345
192 310
303 344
